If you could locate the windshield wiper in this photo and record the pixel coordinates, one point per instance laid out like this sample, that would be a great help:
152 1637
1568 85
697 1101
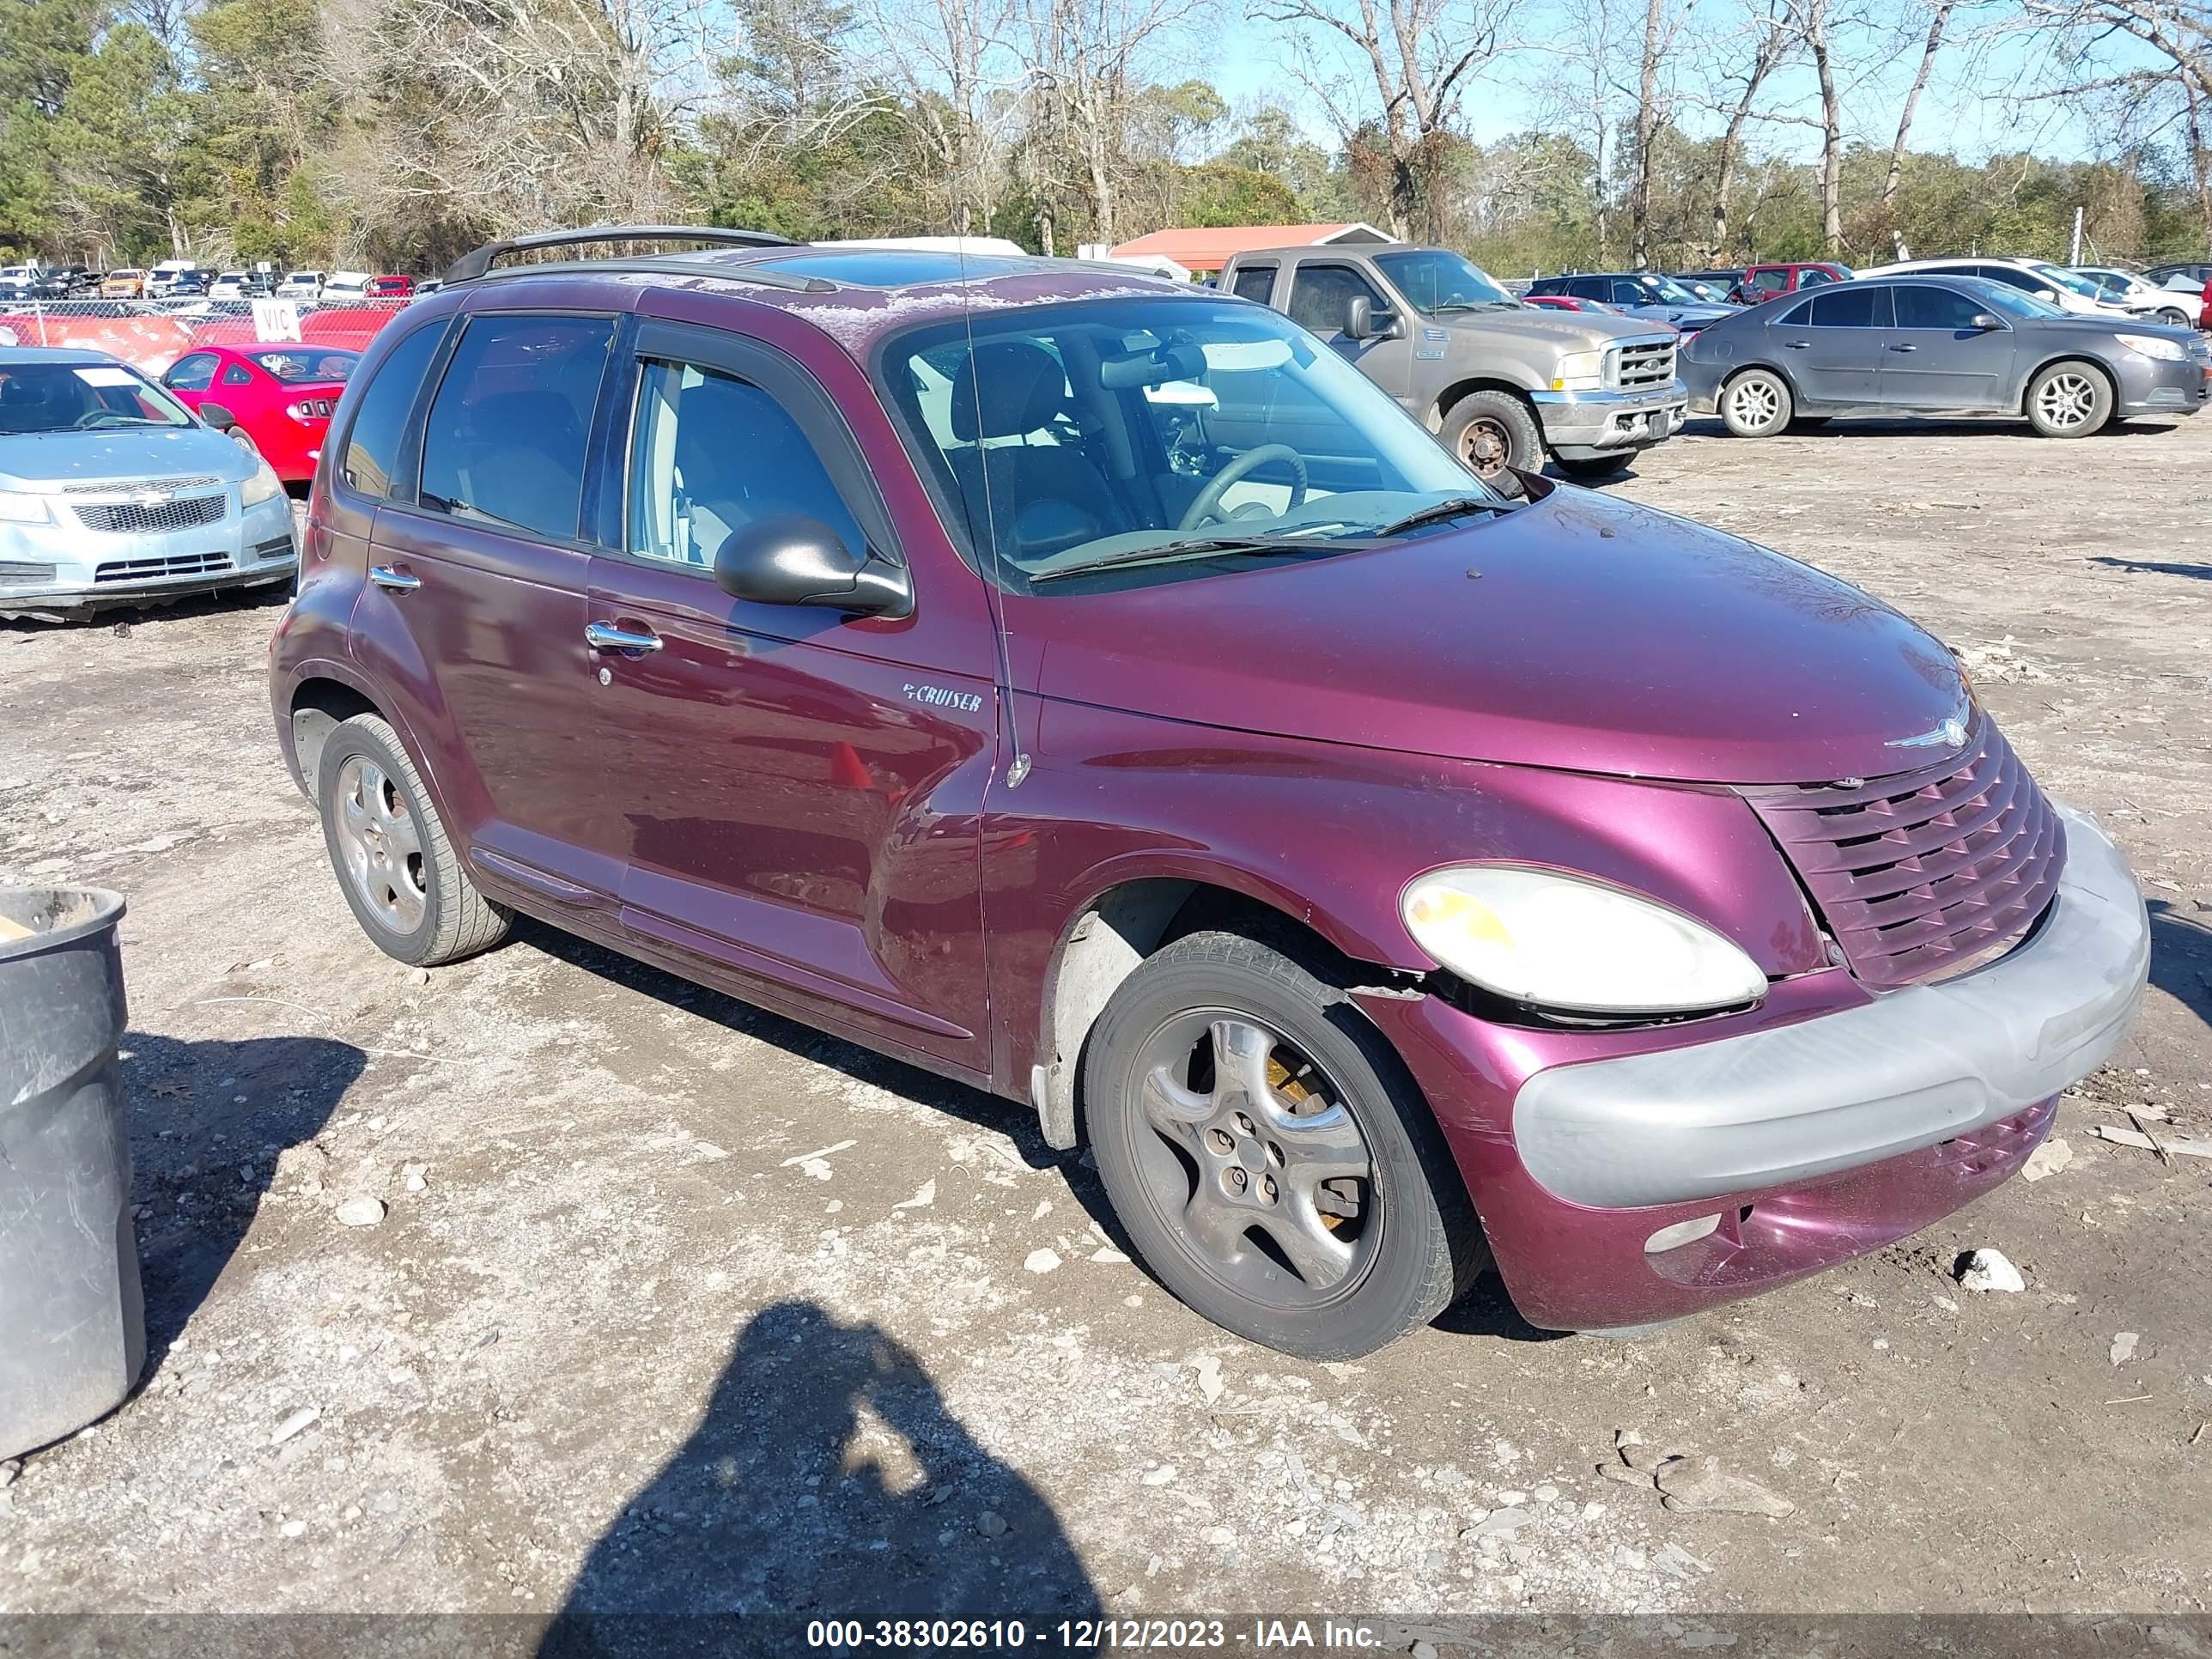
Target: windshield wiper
1192 547
1451 509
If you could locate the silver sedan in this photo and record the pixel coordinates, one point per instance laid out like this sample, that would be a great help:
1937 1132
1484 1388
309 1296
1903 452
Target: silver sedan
111 492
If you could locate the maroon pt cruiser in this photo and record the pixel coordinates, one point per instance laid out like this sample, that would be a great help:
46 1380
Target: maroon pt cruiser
1094 690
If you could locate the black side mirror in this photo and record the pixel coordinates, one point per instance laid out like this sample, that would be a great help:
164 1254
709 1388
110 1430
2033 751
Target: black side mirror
1984 321
1363 322
792 559
216 416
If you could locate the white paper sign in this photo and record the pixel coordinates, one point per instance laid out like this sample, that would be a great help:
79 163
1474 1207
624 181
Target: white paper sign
107 377
276 319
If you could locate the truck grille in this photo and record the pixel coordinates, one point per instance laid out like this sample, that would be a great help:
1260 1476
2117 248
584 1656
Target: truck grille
177 564
1644 365
1923 875
128 517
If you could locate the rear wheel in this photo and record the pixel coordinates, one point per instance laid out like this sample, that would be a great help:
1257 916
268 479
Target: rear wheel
395 865
2069 400
1491 431
1271 1160
1756 404
2174 318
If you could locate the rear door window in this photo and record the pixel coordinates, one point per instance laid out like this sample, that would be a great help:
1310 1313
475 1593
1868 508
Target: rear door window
1813 276
506 440
1920 305
1320 293
371 451
1255 282
1852 306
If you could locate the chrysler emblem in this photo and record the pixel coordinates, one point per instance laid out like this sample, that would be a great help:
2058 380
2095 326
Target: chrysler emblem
1952 734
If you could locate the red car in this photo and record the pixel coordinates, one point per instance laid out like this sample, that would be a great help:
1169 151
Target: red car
390 287
1567 303
281 394
1764 283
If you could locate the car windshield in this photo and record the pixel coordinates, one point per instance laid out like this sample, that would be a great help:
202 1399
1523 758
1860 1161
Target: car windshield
1665 289
292 364
1438 282
2001 296
50 397
1075 435
2071 282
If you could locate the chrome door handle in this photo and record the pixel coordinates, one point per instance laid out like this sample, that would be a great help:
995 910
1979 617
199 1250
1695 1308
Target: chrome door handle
399 582
1904 348
1798 345
605 637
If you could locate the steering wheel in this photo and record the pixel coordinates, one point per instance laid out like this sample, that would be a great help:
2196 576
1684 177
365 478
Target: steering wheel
1208 504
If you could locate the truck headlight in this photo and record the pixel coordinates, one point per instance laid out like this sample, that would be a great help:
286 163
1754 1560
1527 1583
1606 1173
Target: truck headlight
264 486
20 507
1579 371
2150 345
1570 943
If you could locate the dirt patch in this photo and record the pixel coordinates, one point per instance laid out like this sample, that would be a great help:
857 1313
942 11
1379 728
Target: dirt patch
695 1307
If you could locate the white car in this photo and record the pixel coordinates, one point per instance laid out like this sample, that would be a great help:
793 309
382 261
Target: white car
229 285
2165 304
301 285
346 287
163 276
2047 283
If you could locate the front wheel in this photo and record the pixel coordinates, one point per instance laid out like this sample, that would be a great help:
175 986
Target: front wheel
2069 400
1491 431
1757 404
1273 1163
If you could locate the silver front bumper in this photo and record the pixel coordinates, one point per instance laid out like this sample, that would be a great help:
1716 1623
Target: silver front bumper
1581 423
1909 1069
61 565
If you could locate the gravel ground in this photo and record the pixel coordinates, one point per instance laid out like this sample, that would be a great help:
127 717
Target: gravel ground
675 1304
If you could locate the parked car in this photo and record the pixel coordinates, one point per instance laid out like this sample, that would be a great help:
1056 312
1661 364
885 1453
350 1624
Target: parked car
2204 306
301 285
2122 288
229 285
111 492
125 283
2032 277
1644 294
281 397
18 282
1759 283
1501 385
161 279
1568 302
2187 274
1940 345
346 287
186 285
390 287
1071 681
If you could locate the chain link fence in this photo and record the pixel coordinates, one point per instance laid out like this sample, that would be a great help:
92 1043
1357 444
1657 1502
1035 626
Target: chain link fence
152 334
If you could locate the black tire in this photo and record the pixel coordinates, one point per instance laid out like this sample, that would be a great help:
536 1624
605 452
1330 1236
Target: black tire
2068 399
1595 466
2172 317
1491 431
1757 404
455 919
1410 1241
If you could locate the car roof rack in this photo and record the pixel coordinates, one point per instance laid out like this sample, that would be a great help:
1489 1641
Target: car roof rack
473 267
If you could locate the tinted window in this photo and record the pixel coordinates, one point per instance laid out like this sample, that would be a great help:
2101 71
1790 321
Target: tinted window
237 374
2011 278
1852 307
1590 287
292 364
710 453
192 374
1796 317
505 440
1255 282
1319 294
1935 307
371 451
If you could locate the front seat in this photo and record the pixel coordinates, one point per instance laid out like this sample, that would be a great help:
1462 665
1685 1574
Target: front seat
1042 498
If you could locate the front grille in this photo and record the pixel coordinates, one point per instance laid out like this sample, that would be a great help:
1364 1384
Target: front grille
131 517
131 486
1924 874
1643 365
177 564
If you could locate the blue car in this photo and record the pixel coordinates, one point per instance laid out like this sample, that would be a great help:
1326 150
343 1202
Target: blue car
1644 294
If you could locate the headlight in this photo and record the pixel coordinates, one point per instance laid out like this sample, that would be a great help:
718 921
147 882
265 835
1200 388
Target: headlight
2150 345
16 507
1565 942
264 486
1579 371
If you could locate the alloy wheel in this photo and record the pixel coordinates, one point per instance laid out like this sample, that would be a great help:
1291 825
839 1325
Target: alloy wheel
1754 402
1253 1154
381 845
2066 400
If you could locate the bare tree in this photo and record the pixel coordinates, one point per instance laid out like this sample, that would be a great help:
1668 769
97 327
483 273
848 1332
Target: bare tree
1661 21
1419 57
952 66
1937 18
1814 22
1083 63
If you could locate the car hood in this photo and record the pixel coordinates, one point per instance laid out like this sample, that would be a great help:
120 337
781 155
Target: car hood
1569 330
1580 633
33 460
1695 316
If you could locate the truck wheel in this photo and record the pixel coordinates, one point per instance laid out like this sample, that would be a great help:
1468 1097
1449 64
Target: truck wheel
395 865
1491 431
1595 466
1757 404
2069 400
1273 1164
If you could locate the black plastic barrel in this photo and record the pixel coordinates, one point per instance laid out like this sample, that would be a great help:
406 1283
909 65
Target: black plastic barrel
72 1318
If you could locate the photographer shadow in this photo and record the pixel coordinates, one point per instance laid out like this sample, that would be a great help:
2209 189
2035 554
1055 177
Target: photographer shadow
826 1480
